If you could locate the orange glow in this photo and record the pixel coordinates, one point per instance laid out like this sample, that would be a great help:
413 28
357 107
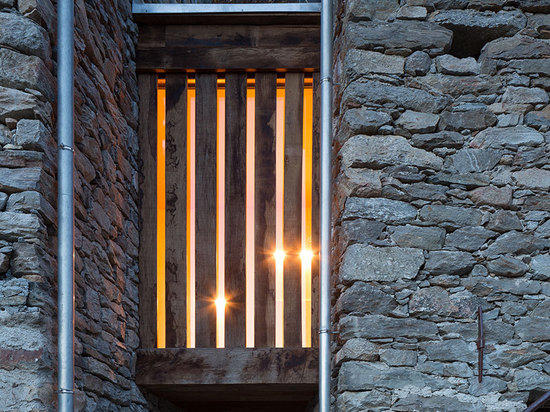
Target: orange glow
220 304
307 254
190 214
308 250
161 215
250 125
220 220
279 207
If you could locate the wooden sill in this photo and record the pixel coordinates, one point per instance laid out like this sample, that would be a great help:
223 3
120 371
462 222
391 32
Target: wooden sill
231 379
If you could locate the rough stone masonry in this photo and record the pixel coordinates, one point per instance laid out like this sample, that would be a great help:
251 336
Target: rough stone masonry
441 204
106 212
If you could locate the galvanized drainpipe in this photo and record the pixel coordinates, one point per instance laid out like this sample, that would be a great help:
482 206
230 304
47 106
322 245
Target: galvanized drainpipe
65 216
325 219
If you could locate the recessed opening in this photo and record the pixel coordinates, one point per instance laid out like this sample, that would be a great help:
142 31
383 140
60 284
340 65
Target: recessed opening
307 253
469 42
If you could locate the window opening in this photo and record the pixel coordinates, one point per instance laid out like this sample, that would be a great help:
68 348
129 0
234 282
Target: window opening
294 98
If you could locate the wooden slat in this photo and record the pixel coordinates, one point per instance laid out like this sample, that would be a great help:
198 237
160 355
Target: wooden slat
235 209
176 207
234 58
315 191
210 36
205 207
264 267
231 46
294 102
211 366
148 233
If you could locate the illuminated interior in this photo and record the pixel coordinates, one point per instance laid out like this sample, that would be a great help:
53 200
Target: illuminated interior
161 214
307 253
279 219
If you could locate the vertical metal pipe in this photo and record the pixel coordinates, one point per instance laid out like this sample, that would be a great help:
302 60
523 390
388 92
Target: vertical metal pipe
65 219
325 218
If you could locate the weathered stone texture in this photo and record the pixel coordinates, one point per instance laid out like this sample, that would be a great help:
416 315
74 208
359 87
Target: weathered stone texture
449 209
105 207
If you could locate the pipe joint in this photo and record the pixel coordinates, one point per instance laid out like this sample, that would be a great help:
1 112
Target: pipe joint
65 147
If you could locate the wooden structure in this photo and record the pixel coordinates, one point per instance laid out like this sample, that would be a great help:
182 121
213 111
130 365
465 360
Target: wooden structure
236 57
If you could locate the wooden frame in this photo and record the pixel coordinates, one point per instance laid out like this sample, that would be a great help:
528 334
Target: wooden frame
235 374
237 377
239 47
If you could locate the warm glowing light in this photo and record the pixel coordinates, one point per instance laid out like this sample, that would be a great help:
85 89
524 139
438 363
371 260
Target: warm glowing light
306 256
220 218
279 255
191 214
308 250
307 187
279 213
250 124
220 303
161 215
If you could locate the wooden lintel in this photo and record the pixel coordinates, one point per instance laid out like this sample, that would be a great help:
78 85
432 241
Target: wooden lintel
228 47
289 369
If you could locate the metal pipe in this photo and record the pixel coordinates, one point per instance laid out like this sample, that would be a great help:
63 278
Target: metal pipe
539 402
325 218
65 207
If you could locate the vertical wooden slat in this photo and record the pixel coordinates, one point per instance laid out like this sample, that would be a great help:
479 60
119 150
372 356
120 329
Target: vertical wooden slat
176 207
292 240
315 191
264 206
148 233
205 206
235 209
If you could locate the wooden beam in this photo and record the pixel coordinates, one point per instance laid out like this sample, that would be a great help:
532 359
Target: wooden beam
234 58
264 209
209 36
176 210
230 47
235 209
294 103
157 368
148 188
315 192
205 206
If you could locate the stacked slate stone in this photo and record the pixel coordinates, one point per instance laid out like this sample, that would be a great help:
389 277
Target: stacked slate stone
441 206
27 202
105 207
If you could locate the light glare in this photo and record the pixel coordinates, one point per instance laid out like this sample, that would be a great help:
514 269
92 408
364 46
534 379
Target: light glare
279 255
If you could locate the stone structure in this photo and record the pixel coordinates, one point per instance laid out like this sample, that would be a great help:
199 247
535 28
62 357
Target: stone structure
442 129
442 177
106 187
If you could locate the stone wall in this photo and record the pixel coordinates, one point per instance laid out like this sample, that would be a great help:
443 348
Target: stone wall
27 202
441 204
106 212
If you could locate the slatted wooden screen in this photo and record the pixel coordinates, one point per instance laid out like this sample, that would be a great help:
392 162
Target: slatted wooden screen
189 195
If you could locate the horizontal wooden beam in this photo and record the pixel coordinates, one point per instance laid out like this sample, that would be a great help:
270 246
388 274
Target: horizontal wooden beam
229 47
178 368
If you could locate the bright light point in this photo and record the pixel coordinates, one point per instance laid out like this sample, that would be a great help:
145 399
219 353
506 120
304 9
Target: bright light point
306 255
279 255
220 302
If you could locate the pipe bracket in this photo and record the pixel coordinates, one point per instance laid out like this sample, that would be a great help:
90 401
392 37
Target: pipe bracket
67 391
65 147
328 331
